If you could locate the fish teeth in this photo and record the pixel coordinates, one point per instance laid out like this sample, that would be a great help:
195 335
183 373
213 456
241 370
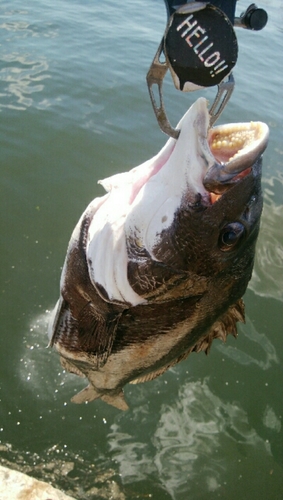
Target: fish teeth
237 138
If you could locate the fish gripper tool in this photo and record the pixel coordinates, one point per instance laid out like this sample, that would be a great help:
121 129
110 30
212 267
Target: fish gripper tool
200 49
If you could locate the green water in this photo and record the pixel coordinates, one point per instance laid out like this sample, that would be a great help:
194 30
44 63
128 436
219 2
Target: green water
74 108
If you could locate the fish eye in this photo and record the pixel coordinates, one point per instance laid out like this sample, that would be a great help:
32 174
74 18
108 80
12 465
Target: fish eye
230 236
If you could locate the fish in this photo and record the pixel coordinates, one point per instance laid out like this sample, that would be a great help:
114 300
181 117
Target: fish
157 267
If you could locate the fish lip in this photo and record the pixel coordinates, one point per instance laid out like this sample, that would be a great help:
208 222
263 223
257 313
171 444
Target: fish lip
252 139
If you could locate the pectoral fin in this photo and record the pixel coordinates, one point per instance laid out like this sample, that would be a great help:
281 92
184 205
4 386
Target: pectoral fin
85 331
96 332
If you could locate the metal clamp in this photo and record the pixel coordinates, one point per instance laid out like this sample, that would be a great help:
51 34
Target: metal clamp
155 76
192 36
225 89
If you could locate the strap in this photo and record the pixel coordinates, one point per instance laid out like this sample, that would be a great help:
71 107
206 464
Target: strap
227 6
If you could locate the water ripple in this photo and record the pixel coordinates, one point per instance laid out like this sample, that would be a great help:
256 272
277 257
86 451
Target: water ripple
14 26
194 444
243 358
20 78
267 279
191 432
21 24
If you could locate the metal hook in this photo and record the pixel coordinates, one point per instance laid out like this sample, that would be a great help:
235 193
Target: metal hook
155 76
225 89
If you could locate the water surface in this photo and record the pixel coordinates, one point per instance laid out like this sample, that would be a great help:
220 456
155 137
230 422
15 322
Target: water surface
74 108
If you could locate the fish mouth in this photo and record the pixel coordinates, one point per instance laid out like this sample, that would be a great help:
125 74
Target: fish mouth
210 160
236 147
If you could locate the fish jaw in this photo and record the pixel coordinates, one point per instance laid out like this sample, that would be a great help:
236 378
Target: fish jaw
236 147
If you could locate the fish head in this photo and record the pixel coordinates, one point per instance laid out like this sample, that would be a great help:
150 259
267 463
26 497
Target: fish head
201 210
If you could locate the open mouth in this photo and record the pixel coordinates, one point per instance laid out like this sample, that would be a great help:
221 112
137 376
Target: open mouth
236 148
229 142
205 161
209 161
